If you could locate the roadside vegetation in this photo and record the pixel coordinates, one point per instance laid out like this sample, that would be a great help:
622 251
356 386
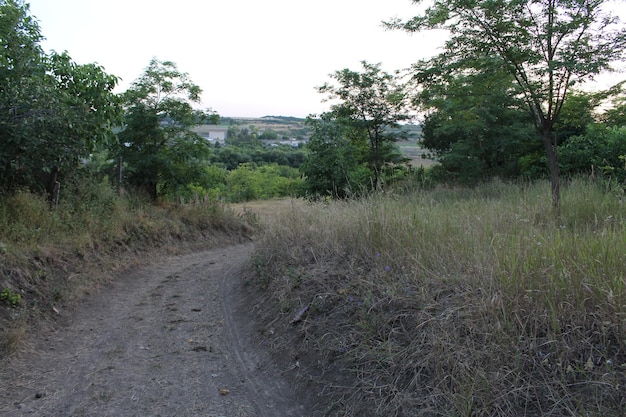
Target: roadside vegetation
451 301
472 286
51 258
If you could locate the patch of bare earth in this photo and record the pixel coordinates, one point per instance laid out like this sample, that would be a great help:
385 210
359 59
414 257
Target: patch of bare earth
171 339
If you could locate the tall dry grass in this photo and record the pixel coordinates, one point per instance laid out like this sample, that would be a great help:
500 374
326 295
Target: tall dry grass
94 215
454 302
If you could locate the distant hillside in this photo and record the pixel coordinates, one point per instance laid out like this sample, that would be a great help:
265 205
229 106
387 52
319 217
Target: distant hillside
295 128
283 126
283 119
265 120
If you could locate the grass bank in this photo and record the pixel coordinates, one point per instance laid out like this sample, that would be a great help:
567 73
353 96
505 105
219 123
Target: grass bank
51 258
451 302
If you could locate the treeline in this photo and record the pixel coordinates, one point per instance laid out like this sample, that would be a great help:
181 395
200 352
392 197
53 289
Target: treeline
247 144
247 168
489 113
479 131
60 122
477 128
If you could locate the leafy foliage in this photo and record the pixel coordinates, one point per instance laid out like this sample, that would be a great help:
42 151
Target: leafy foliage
600 151
357 134
231 156
476 129
54 112
245 137
252 182
332 159
615 100
161 151
546 46
373 102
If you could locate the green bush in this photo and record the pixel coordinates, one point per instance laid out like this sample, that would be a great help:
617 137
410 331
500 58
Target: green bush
600 151
252 182
10 298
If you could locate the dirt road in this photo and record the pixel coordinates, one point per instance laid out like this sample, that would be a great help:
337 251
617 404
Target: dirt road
165 340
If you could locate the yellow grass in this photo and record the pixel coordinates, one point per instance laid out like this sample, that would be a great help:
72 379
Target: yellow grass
265 210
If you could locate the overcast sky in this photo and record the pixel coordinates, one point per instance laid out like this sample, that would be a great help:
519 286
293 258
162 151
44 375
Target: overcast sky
251 57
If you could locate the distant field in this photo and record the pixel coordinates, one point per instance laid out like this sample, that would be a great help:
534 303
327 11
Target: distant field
295 127
285 126
417 155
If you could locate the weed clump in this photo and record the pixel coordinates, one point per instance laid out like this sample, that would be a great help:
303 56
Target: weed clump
452 302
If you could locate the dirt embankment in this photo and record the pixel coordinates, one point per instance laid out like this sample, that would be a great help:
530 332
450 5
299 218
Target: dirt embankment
172 339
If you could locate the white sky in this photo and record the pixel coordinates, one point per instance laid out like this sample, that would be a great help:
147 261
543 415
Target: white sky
252 58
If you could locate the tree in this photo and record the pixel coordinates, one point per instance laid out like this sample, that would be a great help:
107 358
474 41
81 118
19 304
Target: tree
53 112
615 100
83 114
246 137
22 71
374 103
475 127
331 158
157 143
548 46
576 114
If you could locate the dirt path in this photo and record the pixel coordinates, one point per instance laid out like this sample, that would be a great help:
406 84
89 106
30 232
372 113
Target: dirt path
166 340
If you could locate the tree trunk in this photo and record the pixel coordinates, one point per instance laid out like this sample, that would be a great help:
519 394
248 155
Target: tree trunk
53 187
151 188
553 167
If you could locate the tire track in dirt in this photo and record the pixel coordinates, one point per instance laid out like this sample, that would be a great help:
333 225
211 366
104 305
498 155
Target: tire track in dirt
272 394
165 340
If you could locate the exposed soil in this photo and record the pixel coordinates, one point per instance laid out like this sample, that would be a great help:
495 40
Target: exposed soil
171 339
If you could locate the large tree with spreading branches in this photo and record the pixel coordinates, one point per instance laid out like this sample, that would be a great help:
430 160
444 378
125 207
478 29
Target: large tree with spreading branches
548 46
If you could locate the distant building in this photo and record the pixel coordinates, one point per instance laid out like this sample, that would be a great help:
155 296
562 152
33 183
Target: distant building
212 133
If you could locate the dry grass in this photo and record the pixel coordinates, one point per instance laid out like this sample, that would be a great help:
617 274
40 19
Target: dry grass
265 210
11 337
453 302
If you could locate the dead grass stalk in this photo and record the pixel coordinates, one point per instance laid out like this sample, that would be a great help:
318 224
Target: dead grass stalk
453 301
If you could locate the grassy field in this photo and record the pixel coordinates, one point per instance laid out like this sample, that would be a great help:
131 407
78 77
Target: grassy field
417 155
440 302
451 302
266 210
